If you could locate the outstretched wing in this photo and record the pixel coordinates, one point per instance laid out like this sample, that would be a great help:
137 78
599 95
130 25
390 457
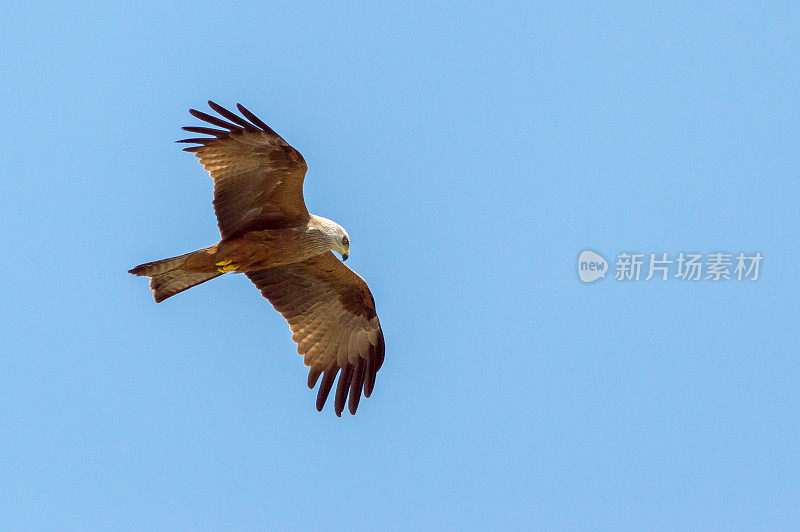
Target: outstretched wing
258 177
331 312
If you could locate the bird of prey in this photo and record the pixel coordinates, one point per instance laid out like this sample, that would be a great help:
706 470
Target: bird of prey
268 234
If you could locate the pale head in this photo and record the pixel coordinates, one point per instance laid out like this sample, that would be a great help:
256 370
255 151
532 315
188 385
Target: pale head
336 236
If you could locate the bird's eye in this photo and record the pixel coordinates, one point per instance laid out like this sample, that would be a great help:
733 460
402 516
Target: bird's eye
345 241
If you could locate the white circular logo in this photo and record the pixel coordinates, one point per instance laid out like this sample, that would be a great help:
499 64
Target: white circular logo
591 266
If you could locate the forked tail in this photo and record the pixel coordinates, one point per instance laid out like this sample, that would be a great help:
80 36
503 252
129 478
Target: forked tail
167 277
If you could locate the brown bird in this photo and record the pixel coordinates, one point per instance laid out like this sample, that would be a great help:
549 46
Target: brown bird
268 234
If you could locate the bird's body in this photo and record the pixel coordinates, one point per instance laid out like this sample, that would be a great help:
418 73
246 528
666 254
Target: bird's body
256 250
268 234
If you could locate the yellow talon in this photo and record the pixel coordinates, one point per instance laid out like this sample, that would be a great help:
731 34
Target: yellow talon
225 266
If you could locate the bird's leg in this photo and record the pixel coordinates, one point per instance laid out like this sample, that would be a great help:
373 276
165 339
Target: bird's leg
225 266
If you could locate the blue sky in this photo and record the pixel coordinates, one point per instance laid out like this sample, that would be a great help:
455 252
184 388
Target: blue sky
472 153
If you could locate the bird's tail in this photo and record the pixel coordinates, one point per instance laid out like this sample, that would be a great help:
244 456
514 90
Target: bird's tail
167 277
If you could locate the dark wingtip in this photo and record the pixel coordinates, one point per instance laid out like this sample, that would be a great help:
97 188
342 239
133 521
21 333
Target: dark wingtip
206 131
380 351
369 372
313 375
232 116
214 120
325 387
356 386
254 119
354 379
342 388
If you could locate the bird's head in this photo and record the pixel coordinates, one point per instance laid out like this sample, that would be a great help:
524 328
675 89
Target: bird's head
344 244
337 237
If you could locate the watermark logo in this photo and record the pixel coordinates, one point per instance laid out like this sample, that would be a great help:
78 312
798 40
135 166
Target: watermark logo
717 266
591 266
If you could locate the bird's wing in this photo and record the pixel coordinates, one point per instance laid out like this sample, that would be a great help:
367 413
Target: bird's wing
331 312
258 177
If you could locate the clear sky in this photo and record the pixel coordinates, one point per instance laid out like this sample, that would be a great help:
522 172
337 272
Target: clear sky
472 152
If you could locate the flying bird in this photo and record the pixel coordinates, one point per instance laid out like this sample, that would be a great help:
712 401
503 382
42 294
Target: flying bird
268 234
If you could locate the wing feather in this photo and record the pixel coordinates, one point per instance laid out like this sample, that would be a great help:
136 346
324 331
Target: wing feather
258 177
325 386
356 385
216 121
331 312
232 116
369 372
343 388
254 119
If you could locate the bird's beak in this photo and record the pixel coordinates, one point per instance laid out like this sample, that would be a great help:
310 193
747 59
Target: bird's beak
344 256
